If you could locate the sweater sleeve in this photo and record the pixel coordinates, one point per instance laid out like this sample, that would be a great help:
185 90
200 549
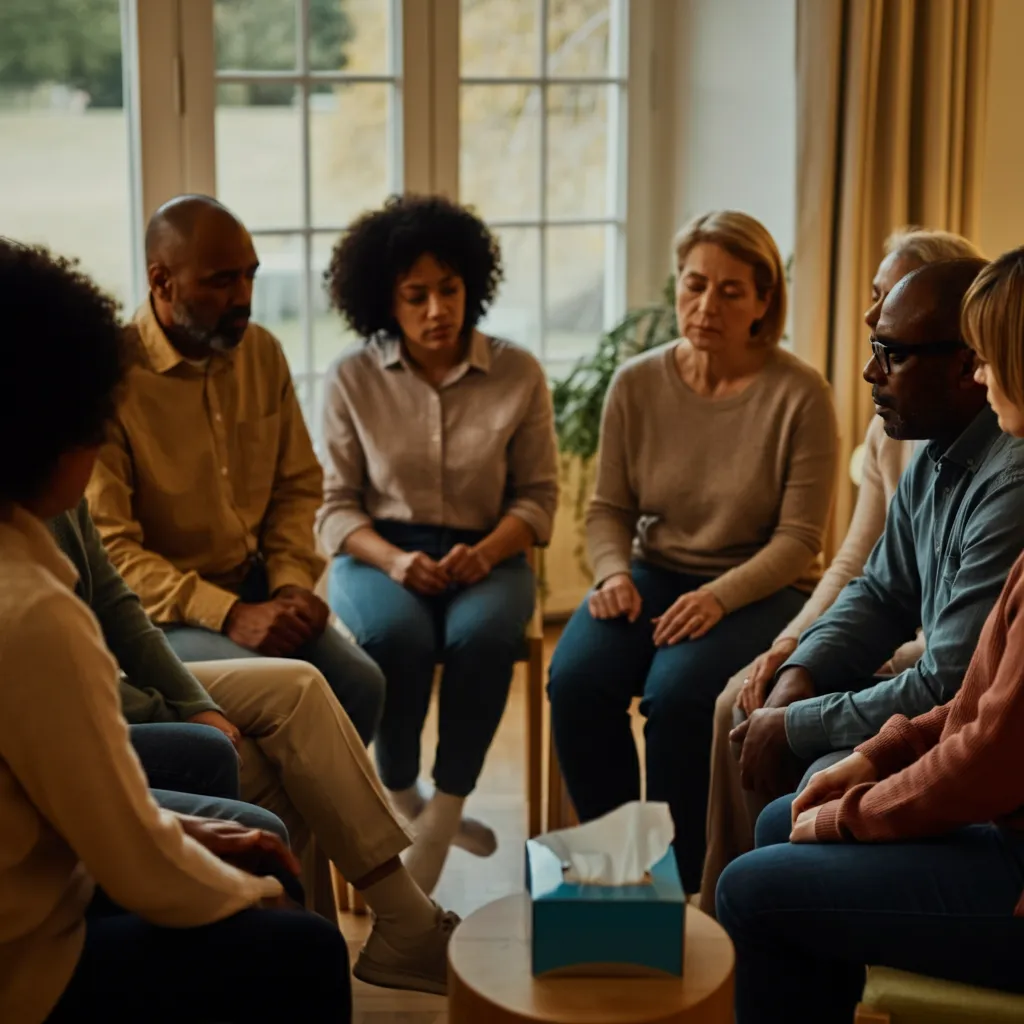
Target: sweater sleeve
865 528
614 509
803 513
94 793
973 775
141 650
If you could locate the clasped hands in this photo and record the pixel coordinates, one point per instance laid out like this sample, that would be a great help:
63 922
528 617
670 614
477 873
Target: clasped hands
768 766
463 565
279 627
689 617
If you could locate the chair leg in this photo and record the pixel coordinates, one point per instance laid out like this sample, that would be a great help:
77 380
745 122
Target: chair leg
358 903
561 813
865 1015
534 736
340 890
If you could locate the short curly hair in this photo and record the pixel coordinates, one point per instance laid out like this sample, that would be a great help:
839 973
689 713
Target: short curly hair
384 244
62 349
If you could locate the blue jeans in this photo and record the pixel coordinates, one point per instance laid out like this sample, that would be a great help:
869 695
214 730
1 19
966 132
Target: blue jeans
806 918
477 632
258 966
193 769
597 669
188 758
351 674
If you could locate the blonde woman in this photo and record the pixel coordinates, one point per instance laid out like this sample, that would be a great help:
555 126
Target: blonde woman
732 811
715 471
914 842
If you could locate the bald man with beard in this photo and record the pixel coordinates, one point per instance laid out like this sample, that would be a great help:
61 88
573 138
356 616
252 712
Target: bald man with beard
205 494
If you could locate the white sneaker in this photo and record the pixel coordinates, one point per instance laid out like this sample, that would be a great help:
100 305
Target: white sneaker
423 967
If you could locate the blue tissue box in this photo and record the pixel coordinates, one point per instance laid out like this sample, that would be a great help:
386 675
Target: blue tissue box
605 930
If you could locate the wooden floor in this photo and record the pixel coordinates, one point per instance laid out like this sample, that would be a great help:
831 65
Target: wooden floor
468 882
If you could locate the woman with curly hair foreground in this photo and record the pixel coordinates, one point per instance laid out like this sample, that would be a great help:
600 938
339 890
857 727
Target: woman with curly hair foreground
441 471
191 923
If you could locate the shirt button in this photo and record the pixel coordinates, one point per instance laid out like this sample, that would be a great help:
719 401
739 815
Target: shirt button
223 470
219 418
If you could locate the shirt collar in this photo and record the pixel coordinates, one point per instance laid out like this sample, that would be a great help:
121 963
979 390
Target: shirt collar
39 544
163 356
478 356
970 449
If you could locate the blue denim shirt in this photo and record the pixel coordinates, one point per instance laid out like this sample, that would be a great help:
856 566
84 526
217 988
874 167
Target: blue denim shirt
955 527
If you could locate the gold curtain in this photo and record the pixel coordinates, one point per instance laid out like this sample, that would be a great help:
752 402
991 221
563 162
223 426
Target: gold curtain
890 112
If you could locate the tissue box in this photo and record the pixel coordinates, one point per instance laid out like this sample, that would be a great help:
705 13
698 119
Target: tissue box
606 930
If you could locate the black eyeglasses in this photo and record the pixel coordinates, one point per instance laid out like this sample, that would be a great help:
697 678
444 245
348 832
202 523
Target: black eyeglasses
885 351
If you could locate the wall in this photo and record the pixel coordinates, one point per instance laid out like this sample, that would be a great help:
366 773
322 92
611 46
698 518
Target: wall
735 111
1002 194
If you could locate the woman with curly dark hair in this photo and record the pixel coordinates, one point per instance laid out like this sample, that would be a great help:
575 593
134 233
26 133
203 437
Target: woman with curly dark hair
75 812
441 472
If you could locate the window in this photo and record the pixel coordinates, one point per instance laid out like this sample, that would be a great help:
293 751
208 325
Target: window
65 158
307 135
542 157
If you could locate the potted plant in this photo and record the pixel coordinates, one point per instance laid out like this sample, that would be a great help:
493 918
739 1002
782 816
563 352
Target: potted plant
579 397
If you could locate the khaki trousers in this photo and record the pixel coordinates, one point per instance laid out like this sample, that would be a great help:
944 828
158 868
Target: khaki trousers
303 760
732 810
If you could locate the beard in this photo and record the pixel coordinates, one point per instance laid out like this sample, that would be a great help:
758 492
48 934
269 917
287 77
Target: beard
222 336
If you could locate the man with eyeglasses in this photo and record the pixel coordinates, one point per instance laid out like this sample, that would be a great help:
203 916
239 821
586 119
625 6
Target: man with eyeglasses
954 528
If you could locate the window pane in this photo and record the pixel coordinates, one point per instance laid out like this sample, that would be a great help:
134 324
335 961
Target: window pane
256 35
349 35
499 37
578 37
500 150
64 167
277 297
577 151
516 313
575 290
331 334
349 142
259 144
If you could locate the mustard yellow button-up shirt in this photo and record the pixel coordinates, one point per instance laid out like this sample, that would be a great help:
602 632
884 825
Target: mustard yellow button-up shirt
205 467
480 446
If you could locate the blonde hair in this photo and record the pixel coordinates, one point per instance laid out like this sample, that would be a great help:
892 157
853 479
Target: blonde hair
992 321
927 246
749 240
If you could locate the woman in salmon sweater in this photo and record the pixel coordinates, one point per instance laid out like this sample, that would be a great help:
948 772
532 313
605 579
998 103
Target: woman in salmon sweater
939 798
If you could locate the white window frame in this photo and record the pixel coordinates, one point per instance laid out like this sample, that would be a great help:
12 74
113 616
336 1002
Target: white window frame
174 80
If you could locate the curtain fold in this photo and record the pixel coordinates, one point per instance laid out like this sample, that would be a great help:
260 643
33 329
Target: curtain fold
890 114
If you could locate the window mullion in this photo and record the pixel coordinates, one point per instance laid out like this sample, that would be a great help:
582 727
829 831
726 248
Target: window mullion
542 89
302 29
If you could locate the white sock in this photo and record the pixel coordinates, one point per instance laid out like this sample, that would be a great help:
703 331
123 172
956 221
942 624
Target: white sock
410 802
403 913
472 835
433 833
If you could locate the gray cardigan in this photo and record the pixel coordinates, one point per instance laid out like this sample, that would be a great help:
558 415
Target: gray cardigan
155 685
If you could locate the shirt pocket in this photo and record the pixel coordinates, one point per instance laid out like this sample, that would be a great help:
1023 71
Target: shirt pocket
259 442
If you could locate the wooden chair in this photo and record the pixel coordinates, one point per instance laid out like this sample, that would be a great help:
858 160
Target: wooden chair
532 656
898 997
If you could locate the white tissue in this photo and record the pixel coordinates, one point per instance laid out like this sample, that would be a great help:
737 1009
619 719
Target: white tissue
618 849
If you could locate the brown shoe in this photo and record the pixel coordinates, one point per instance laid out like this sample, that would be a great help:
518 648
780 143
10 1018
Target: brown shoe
422 967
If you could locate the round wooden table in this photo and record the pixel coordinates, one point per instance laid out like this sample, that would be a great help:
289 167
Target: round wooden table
489 979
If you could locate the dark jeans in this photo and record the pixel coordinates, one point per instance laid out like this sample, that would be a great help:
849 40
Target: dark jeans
806 918
193 769
350 673
257 966
188 758
477 632
597 669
